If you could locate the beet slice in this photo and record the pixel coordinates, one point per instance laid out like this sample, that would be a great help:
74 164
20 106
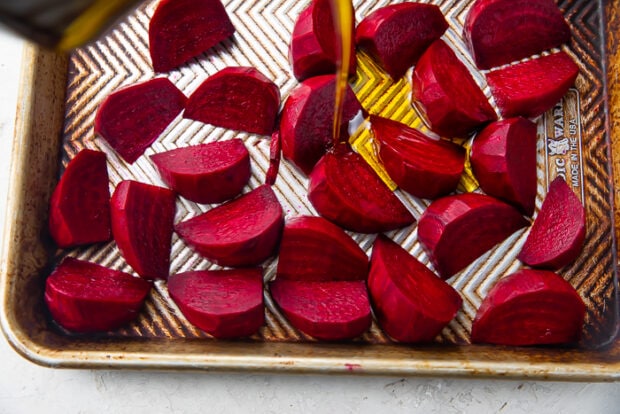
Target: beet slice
131 118
559 231
411 303
142 220
275 155
223 303
530 88
206 173
422 166
398 34
457 229
80 205
503 159
242 232
239 98
307 120
499 32
329 311
530 307
313 48
446 95
313 249
86 297
182 29
344 189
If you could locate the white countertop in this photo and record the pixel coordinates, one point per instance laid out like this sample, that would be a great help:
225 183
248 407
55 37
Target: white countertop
28 388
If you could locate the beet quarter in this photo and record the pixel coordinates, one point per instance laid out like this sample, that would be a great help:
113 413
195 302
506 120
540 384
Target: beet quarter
275 156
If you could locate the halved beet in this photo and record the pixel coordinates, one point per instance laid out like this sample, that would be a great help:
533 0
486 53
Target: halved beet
313 48
182 29
446 94
223 303
530 88
498 32
530 307
242 232
206 173
307 120
344 189
313 249
398 34
422 166
142 220
503 159
411 303
275 155
131 118
86 297
80 205
329 311
239 98
558 233
456 230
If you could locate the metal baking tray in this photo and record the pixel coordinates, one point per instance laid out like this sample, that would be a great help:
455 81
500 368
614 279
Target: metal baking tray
60 94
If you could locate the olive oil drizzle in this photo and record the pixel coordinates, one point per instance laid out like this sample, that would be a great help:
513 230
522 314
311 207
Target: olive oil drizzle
342 10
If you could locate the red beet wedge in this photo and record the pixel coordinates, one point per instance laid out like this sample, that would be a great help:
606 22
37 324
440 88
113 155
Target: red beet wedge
329 311
313 249
446 94
142 220
530 307
498 32
183 29
239 98
503 159
241 232
456 230
275 155
345 190
411 303
422 166
313 48
398 34
80 205
307 120
223 303
530 88
131 118
206 173
85 297
558 233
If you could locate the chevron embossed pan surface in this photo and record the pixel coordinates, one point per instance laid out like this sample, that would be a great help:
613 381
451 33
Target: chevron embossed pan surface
59 97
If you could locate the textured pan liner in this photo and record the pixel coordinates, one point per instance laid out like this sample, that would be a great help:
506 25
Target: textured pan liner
47 118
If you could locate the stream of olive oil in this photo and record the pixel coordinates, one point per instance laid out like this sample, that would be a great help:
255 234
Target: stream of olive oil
342 10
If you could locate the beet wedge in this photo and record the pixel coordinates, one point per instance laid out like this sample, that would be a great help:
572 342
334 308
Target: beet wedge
142 224
242 232
206 173
275 156
398 34
530 307
313 48
499 32
558 233
411 303
132 118
223 303
503 159
182 29
330 311
422 166
80 205
307 121
344 189
239 98
314 250
456 230
85 297
530 88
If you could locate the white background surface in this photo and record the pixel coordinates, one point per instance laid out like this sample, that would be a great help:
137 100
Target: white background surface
27 388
